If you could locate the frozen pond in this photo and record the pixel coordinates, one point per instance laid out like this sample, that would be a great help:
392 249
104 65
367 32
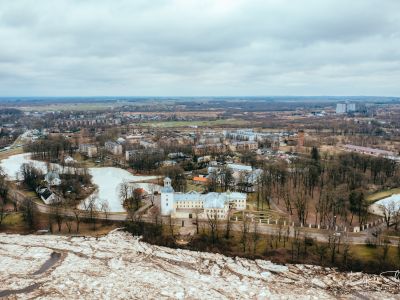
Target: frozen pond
108 179
392 202
12 165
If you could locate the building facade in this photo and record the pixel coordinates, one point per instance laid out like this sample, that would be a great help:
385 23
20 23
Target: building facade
341 108
87 149
204 206
113 147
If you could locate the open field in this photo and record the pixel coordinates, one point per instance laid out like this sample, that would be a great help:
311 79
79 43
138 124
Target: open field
72 106
196 123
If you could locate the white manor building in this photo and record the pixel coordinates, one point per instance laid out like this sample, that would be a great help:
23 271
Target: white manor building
187 205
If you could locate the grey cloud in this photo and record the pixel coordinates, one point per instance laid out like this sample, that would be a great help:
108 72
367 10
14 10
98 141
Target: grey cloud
199 47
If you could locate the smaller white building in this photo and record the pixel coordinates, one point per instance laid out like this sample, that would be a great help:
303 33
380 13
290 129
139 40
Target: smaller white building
52 178
69 160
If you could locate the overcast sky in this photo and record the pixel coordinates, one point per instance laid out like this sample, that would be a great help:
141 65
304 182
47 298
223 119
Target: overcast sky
204 47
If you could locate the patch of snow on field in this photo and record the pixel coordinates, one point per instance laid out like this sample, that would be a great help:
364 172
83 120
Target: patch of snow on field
107 179
119 266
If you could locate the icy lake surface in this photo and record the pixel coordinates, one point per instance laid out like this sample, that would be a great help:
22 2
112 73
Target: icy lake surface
108 179
393 201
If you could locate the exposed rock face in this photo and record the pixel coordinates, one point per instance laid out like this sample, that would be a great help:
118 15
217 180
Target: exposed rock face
119 266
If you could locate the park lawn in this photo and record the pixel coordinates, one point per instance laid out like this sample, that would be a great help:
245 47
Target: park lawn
268 213
88 162
366 253
14 223
195 187
382 194
13 219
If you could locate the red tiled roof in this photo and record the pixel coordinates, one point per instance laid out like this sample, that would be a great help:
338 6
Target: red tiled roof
201 179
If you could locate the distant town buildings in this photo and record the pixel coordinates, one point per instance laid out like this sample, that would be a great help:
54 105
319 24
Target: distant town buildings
132 154
148 144
88 150
243 146
370 151
250 136
205 149
342 108
113 147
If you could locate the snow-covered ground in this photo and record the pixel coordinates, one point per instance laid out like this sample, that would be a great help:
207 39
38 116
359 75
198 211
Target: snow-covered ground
108 179
119 266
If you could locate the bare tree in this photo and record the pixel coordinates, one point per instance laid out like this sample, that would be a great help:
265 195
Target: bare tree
28 211
212 218
213 179
346 253
389 211
321 250
245 231
91 209
152 190
2 211
295 243
385 250
333 244
124 194
171 226
301 206
56 212
3 195
137 195
157 215
196 213
68 222
77 215
105 209
256 236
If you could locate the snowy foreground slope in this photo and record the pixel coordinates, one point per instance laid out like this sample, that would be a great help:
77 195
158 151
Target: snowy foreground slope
119 266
